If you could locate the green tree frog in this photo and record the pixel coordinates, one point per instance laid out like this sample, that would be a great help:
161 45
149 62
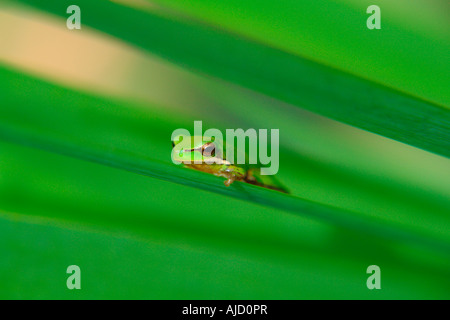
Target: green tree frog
208 155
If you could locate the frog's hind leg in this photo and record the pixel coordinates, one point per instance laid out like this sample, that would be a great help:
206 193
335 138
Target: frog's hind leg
253 177
249 178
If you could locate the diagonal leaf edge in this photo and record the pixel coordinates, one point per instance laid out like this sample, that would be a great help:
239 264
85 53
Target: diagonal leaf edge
307 84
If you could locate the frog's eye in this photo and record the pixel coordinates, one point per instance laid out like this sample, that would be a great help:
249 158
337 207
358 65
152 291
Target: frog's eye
209 150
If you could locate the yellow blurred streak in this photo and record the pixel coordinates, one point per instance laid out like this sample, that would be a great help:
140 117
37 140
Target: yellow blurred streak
41 44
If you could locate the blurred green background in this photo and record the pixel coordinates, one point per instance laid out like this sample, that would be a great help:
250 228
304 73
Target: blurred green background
105 95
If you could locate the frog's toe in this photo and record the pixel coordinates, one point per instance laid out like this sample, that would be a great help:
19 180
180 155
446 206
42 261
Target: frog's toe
228 182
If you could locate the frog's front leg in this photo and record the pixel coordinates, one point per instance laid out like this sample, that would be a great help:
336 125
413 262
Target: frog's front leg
229 181
233 173
231 177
